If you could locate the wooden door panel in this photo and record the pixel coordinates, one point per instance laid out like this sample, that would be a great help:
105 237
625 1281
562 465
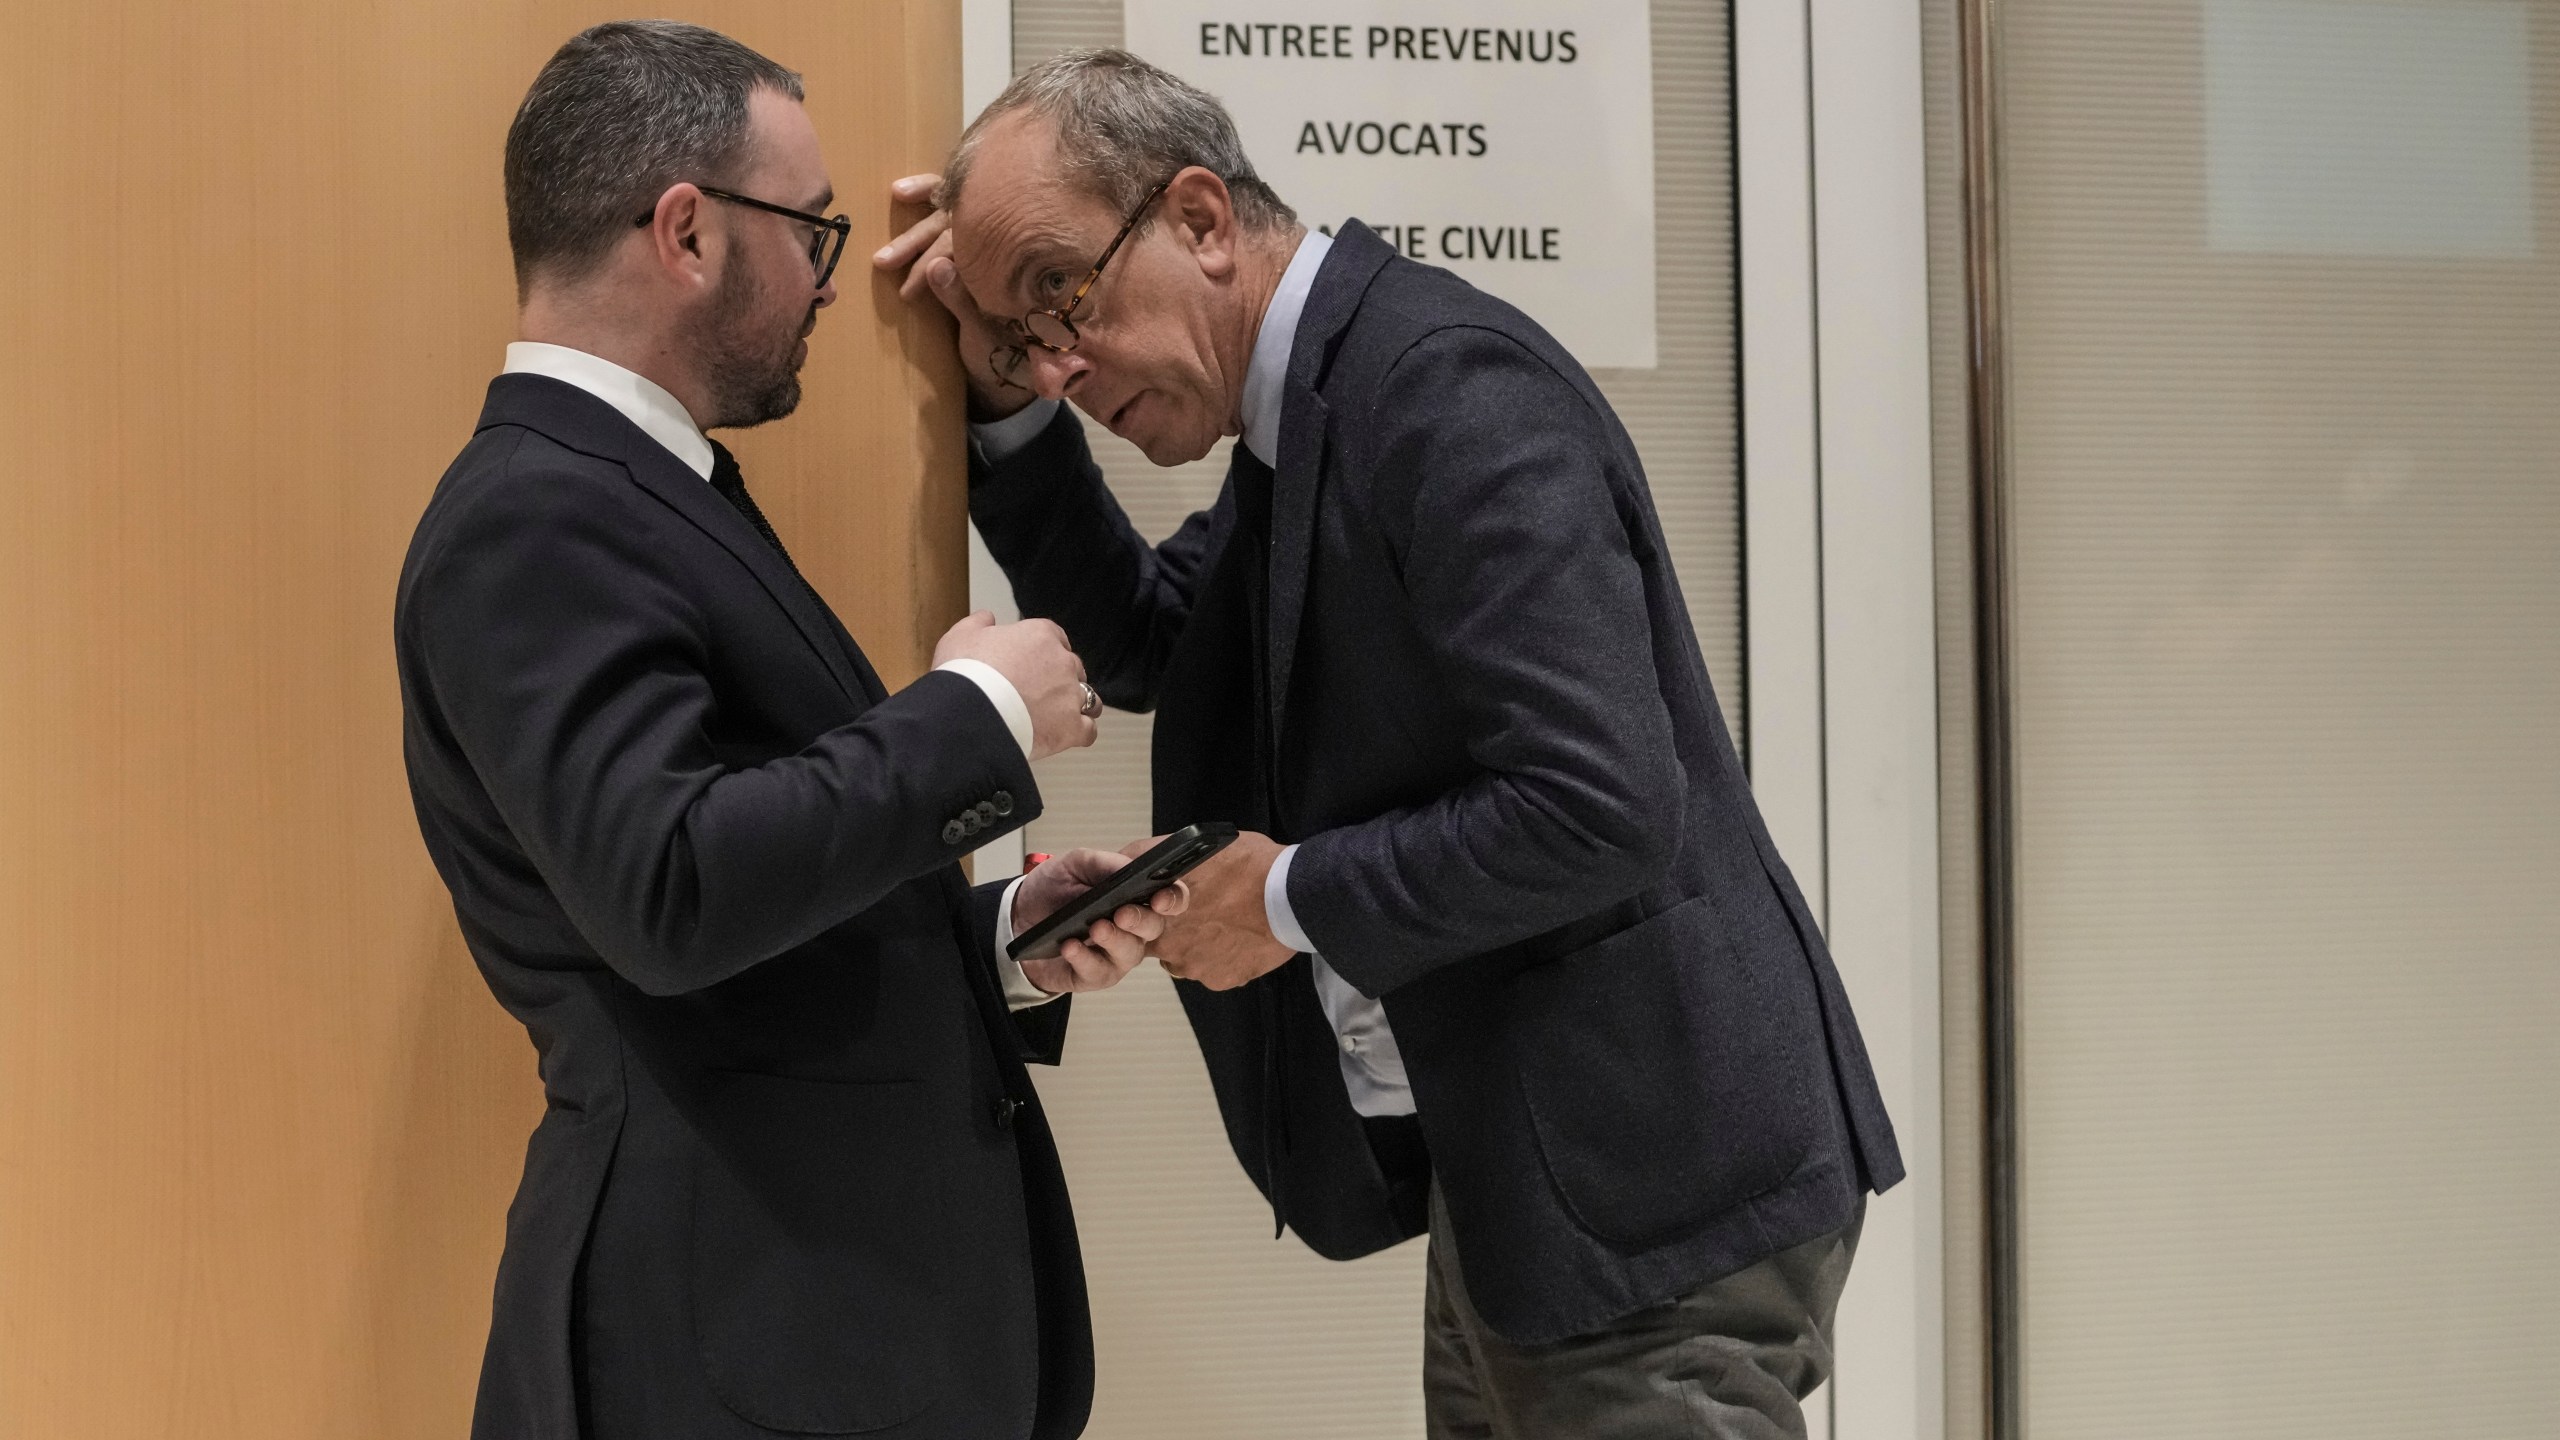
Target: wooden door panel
259 1118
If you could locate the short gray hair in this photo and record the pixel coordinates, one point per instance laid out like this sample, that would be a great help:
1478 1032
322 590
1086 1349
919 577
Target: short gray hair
620 113
1124 126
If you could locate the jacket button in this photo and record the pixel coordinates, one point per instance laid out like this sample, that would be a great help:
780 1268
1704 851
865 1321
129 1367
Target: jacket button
1003 801
1005 1108
985 811
954 832
970 824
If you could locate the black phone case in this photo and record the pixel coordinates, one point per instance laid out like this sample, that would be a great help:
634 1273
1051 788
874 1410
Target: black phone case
1180 854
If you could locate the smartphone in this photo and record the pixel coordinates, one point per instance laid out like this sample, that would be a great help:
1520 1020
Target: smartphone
1132 884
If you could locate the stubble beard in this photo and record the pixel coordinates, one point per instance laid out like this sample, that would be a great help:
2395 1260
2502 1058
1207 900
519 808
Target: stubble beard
753 367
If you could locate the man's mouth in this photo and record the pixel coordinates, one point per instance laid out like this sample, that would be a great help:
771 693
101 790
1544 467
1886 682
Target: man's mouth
1122 414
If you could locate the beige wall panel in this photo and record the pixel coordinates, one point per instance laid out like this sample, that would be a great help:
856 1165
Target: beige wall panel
2288 724
259 1119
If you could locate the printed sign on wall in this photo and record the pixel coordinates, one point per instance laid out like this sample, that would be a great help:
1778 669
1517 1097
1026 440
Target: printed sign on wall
1508 140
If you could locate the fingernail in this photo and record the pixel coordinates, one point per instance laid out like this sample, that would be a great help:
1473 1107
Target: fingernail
880 254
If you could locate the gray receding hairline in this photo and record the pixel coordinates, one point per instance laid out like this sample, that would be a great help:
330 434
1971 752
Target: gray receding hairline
1123 127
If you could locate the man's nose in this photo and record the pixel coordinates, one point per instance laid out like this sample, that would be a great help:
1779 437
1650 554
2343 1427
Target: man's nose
827 293
1056 373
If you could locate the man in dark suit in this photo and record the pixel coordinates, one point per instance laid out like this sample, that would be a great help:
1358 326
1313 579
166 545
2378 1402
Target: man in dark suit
1510 954
793 1178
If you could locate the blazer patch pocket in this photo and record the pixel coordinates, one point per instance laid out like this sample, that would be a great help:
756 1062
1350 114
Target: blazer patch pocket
817 1221
1671 1071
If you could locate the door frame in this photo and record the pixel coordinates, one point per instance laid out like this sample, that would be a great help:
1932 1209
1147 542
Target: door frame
1840 597
986 67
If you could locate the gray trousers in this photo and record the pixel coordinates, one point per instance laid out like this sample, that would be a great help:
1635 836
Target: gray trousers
1732 1360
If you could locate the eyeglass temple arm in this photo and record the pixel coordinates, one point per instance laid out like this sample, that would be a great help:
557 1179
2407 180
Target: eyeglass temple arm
1117 241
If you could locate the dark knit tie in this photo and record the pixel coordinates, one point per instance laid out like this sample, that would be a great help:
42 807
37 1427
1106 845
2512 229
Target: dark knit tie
732 485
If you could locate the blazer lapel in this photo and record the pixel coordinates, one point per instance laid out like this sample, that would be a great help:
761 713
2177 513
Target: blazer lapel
1294 482
668 478
584 423
851 649
1355 260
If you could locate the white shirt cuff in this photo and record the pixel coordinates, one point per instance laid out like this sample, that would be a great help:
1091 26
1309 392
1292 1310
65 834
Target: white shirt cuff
1001 440
1000 693
1019 992
1275 906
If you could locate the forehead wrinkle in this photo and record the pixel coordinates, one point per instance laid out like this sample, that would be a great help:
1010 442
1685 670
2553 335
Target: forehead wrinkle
1044 242
1042 237
1016 171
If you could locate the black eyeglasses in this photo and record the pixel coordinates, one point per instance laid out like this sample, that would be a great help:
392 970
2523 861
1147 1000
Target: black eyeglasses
826 240
1055 330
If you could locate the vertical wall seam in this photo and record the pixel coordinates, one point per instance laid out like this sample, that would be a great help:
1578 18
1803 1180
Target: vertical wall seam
1821 583
1750 727
1987 425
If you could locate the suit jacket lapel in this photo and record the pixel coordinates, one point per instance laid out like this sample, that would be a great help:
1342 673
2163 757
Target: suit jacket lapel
1356 258
851 649
1294 482
668 478
584 423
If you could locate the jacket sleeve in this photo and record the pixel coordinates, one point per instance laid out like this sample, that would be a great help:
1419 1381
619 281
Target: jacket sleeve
565 655
1041 1029
1074 558
1490 478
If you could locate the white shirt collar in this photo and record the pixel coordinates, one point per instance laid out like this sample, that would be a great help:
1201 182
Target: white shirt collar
642 401
1259 408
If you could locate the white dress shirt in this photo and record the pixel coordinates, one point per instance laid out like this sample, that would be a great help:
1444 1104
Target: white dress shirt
1372 1067
663 418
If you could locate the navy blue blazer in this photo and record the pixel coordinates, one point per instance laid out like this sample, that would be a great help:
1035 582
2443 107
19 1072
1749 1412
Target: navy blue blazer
791 1155
1455 666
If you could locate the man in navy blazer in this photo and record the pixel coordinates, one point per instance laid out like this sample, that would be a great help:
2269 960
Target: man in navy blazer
792 1177
1509 954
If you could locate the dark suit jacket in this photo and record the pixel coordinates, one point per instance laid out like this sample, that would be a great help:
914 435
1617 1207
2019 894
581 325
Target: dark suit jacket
1455 665
709 862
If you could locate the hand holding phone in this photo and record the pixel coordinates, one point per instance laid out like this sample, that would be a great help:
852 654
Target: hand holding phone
1133 884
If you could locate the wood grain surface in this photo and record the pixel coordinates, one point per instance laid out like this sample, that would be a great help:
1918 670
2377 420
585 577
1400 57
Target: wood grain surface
259 1118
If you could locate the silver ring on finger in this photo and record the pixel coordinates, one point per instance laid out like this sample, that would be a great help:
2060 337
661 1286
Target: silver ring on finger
1091 704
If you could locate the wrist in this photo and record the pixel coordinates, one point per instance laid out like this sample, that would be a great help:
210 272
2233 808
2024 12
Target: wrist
987 406
998 441
1001 692
1279 917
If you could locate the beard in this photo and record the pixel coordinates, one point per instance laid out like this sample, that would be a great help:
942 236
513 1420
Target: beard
751 363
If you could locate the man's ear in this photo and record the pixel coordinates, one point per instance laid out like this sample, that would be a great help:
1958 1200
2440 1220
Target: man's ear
679 237
1204 213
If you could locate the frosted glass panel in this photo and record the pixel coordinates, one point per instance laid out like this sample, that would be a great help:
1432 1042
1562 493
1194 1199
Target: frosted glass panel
2369 127
2287 468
